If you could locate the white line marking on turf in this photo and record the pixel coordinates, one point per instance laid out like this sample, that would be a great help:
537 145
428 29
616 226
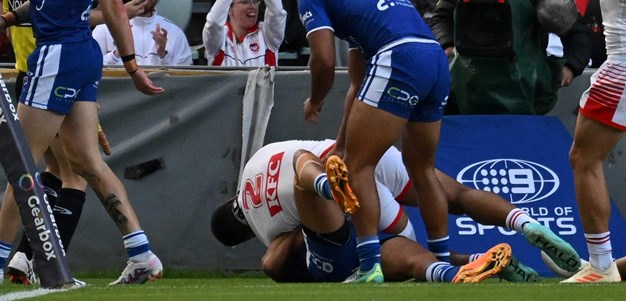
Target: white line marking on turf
29 294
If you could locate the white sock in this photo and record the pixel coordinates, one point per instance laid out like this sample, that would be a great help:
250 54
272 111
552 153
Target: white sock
474 256
600 251
137 246
516 219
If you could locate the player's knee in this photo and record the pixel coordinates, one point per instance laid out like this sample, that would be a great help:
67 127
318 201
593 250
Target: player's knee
86 168
581 162
271 267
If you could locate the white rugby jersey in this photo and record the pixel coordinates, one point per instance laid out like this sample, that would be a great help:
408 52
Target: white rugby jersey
177 46
266 189
614 21
258 48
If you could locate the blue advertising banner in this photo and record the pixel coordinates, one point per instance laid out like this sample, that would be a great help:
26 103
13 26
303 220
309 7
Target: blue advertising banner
525 160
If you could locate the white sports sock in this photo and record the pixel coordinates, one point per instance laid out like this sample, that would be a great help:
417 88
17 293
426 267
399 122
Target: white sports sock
600 251
516 219
474 256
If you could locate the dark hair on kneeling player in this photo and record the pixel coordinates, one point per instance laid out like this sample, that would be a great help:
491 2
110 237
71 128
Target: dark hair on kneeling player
228 224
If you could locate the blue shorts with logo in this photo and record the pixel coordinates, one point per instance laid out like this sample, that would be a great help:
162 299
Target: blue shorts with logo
328 262
410 80
60 74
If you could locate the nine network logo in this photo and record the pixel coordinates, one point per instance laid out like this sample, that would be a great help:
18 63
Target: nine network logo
519 181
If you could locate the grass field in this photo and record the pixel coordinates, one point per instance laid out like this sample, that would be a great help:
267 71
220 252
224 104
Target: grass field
256 288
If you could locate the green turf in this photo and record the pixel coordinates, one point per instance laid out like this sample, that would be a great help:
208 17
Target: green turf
261 289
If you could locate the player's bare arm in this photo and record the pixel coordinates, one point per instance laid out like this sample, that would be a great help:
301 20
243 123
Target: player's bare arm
322 43
117 21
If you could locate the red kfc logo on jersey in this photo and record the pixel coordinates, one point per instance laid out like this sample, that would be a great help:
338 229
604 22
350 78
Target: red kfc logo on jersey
271 185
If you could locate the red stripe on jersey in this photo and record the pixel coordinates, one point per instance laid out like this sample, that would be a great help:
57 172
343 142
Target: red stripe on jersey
218 59
270 58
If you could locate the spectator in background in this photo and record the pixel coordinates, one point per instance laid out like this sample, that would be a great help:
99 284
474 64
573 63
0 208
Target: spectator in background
498 58
590 9
233 36
158 41
426 8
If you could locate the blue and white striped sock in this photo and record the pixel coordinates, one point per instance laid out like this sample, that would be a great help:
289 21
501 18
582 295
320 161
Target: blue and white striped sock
322 187
368 248
475 256
5 250
137 246
441 272
440 247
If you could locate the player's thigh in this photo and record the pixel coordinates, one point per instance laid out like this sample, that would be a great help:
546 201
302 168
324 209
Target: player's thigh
318 214
39 127
79 133
369 134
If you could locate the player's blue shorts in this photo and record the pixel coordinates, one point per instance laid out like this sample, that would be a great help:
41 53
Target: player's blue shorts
60 74
410 80
328 262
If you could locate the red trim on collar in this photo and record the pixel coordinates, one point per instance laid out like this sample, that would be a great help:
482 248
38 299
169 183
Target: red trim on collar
232 36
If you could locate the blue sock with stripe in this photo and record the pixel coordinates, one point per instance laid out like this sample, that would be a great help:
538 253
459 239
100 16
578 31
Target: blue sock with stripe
368 248
322 187
440 247
5 250
441 272
137 246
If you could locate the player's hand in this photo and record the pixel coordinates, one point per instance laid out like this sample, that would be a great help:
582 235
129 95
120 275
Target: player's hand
135 8
160 39
144 84
567 77
449 51
312 110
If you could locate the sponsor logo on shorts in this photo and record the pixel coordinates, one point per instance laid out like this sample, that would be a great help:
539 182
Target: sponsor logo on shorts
65 92
403 96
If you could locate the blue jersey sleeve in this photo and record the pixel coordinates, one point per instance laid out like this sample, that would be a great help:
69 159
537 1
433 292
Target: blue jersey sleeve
313 15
